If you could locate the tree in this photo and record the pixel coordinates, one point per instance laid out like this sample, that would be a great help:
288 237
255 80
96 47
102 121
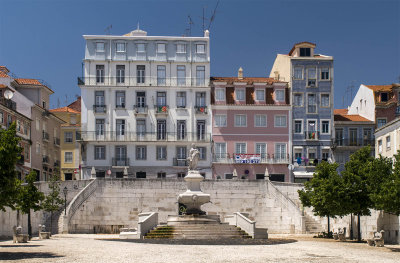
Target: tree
29 197
53 201
356 183
9 155
324 192
385 184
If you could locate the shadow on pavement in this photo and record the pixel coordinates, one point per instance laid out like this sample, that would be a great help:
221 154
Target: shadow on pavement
26 255
20 245
393 249
272 241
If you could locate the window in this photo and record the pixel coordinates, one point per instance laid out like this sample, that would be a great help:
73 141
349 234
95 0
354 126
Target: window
298 100
68 137
325 100
387 142
260 120
161 48
99 46
120 99
100 152
220 121
140 127
161 153
325 127
203 153
37 148
181 74
339 137
37 124
100 73
261 148
240 120
298 73
353 136
140 72
141 99
140 47
220 94
305 52
200 48
161 129
181 153
200 75
380 146
279 95
161 74
161 98
312 103
240 148
141 175
121 47
181 175
120 125
384 97
367 137
1 118
141 152
181 130
260 94
312 76
220 150
298 126
181 99
228 176
68 157
72 120
200 99
239 93
161 175
99 127
381 122
201 130
120 73
280 121
99 98
280 151
325 154
325 73
121 155
180 48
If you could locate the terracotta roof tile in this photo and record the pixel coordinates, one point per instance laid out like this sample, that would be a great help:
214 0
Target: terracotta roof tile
76 105
380 87
3 74
65 109
341 115
2 86
28 82
249 81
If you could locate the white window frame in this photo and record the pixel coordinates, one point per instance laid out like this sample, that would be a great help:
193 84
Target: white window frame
37 148
388 142
377 121
140 45
275 121
245 118
69 160
276 95
223 92
255 120
286 149
238 91
137 153
258 143
294 126
263 97
104 47
380 143
320 125
316 103
198 51
216 124
160 51
302 72
180 45
159 158
329 101
65 137
245 147
302 99
316 77
329 73
118 44
98 146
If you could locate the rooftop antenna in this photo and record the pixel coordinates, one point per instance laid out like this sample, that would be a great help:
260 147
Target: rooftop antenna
203 18
213 16
138 26
108 30
190 25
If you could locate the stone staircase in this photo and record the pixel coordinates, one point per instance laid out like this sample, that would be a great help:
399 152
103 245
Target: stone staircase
312 226
53 223
197 231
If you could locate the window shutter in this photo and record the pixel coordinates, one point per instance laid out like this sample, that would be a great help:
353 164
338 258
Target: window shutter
250 95
287 96
229 95
212 96
269 99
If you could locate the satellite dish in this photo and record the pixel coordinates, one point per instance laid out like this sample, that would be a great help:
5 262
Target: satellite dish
8 94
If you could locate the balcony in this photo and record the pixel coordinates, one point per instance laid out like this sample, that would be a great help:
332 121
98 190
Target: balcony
200 109
114 136
99 108
311 135
56 141
238 158
142 81
45 136
46 159
120 162
8 103
180 162
140 110
46 113
353 142
161 109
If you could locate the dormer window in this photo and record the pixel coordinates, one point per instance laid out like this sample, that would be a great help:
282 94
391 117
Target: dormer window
305 52
121 47
99 46
384 97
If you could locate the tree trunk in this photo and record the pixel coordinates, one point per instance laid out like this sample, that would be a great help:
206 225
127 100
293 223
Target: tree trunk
359 228
51 222
29 225
329 226
351 227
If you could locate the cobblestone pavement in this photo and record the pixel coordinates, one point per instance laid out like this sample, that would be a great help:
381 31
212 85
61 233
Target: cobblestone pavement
108 248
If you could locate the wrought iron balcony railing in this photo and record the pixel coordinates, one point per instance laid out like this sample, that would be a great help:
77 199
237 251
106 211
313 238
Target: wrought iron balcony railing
180 162
8 103
161 109
311 135
45 135
357 142
251 158
200 109
120 161
99 108
143 81
142 109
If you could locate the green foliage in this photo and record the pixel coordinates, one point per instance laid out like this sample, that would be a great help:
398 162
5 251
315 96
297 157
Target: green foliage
9 155
29 196
324 192
53 201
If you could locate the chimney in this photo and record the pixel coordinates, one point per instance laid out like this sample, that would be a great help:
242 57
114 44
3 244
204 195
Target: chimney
206 33
240 73
276 75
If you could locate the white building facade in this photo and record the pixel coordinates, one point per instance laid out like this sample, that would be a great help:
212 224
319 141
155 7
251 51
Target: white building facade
145 101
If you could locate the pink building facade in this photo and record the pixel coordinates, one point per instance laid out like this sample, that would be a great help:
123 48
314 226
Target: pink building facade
251 128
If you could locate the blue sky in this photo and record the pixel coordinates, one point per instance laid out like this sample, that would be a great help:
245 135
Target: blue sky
43 38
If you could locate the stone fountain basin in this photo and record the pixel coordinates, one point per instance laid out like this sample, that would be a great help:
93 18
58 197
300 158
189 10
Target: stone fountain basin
194 197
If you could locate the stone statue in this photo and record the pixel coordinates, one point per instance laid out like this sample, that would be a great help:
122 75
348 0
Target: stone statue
193 158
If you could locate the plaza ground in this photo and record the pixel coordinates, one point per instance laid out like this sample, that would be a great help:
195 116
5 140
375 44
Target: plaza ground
108 248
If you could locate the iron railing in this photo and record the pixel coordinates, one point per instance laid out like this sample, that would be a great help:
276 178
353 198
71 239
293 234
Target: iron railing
9 104
180 162
147 81
161 109
45 135
120 161
99 108
311 135
359 142
251 158
140 109
200 109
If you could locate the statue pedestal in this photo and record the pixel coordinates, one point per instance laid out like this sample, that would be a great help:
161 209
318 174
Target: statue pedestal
193 198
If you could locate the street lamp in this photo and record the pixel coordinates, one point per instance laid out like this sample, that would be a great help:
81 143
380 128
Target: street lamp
65 200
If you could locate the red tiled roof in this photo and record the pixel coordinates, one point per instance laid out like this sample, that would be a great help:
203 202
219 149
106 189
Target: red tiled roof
379 87
4 69
28 82
341 115
249 81
76 105
294 46
2 86
65 109
3 75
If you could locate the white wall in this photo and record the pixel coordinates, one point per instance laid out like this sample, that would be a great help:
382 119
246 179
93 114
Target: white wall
363 103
